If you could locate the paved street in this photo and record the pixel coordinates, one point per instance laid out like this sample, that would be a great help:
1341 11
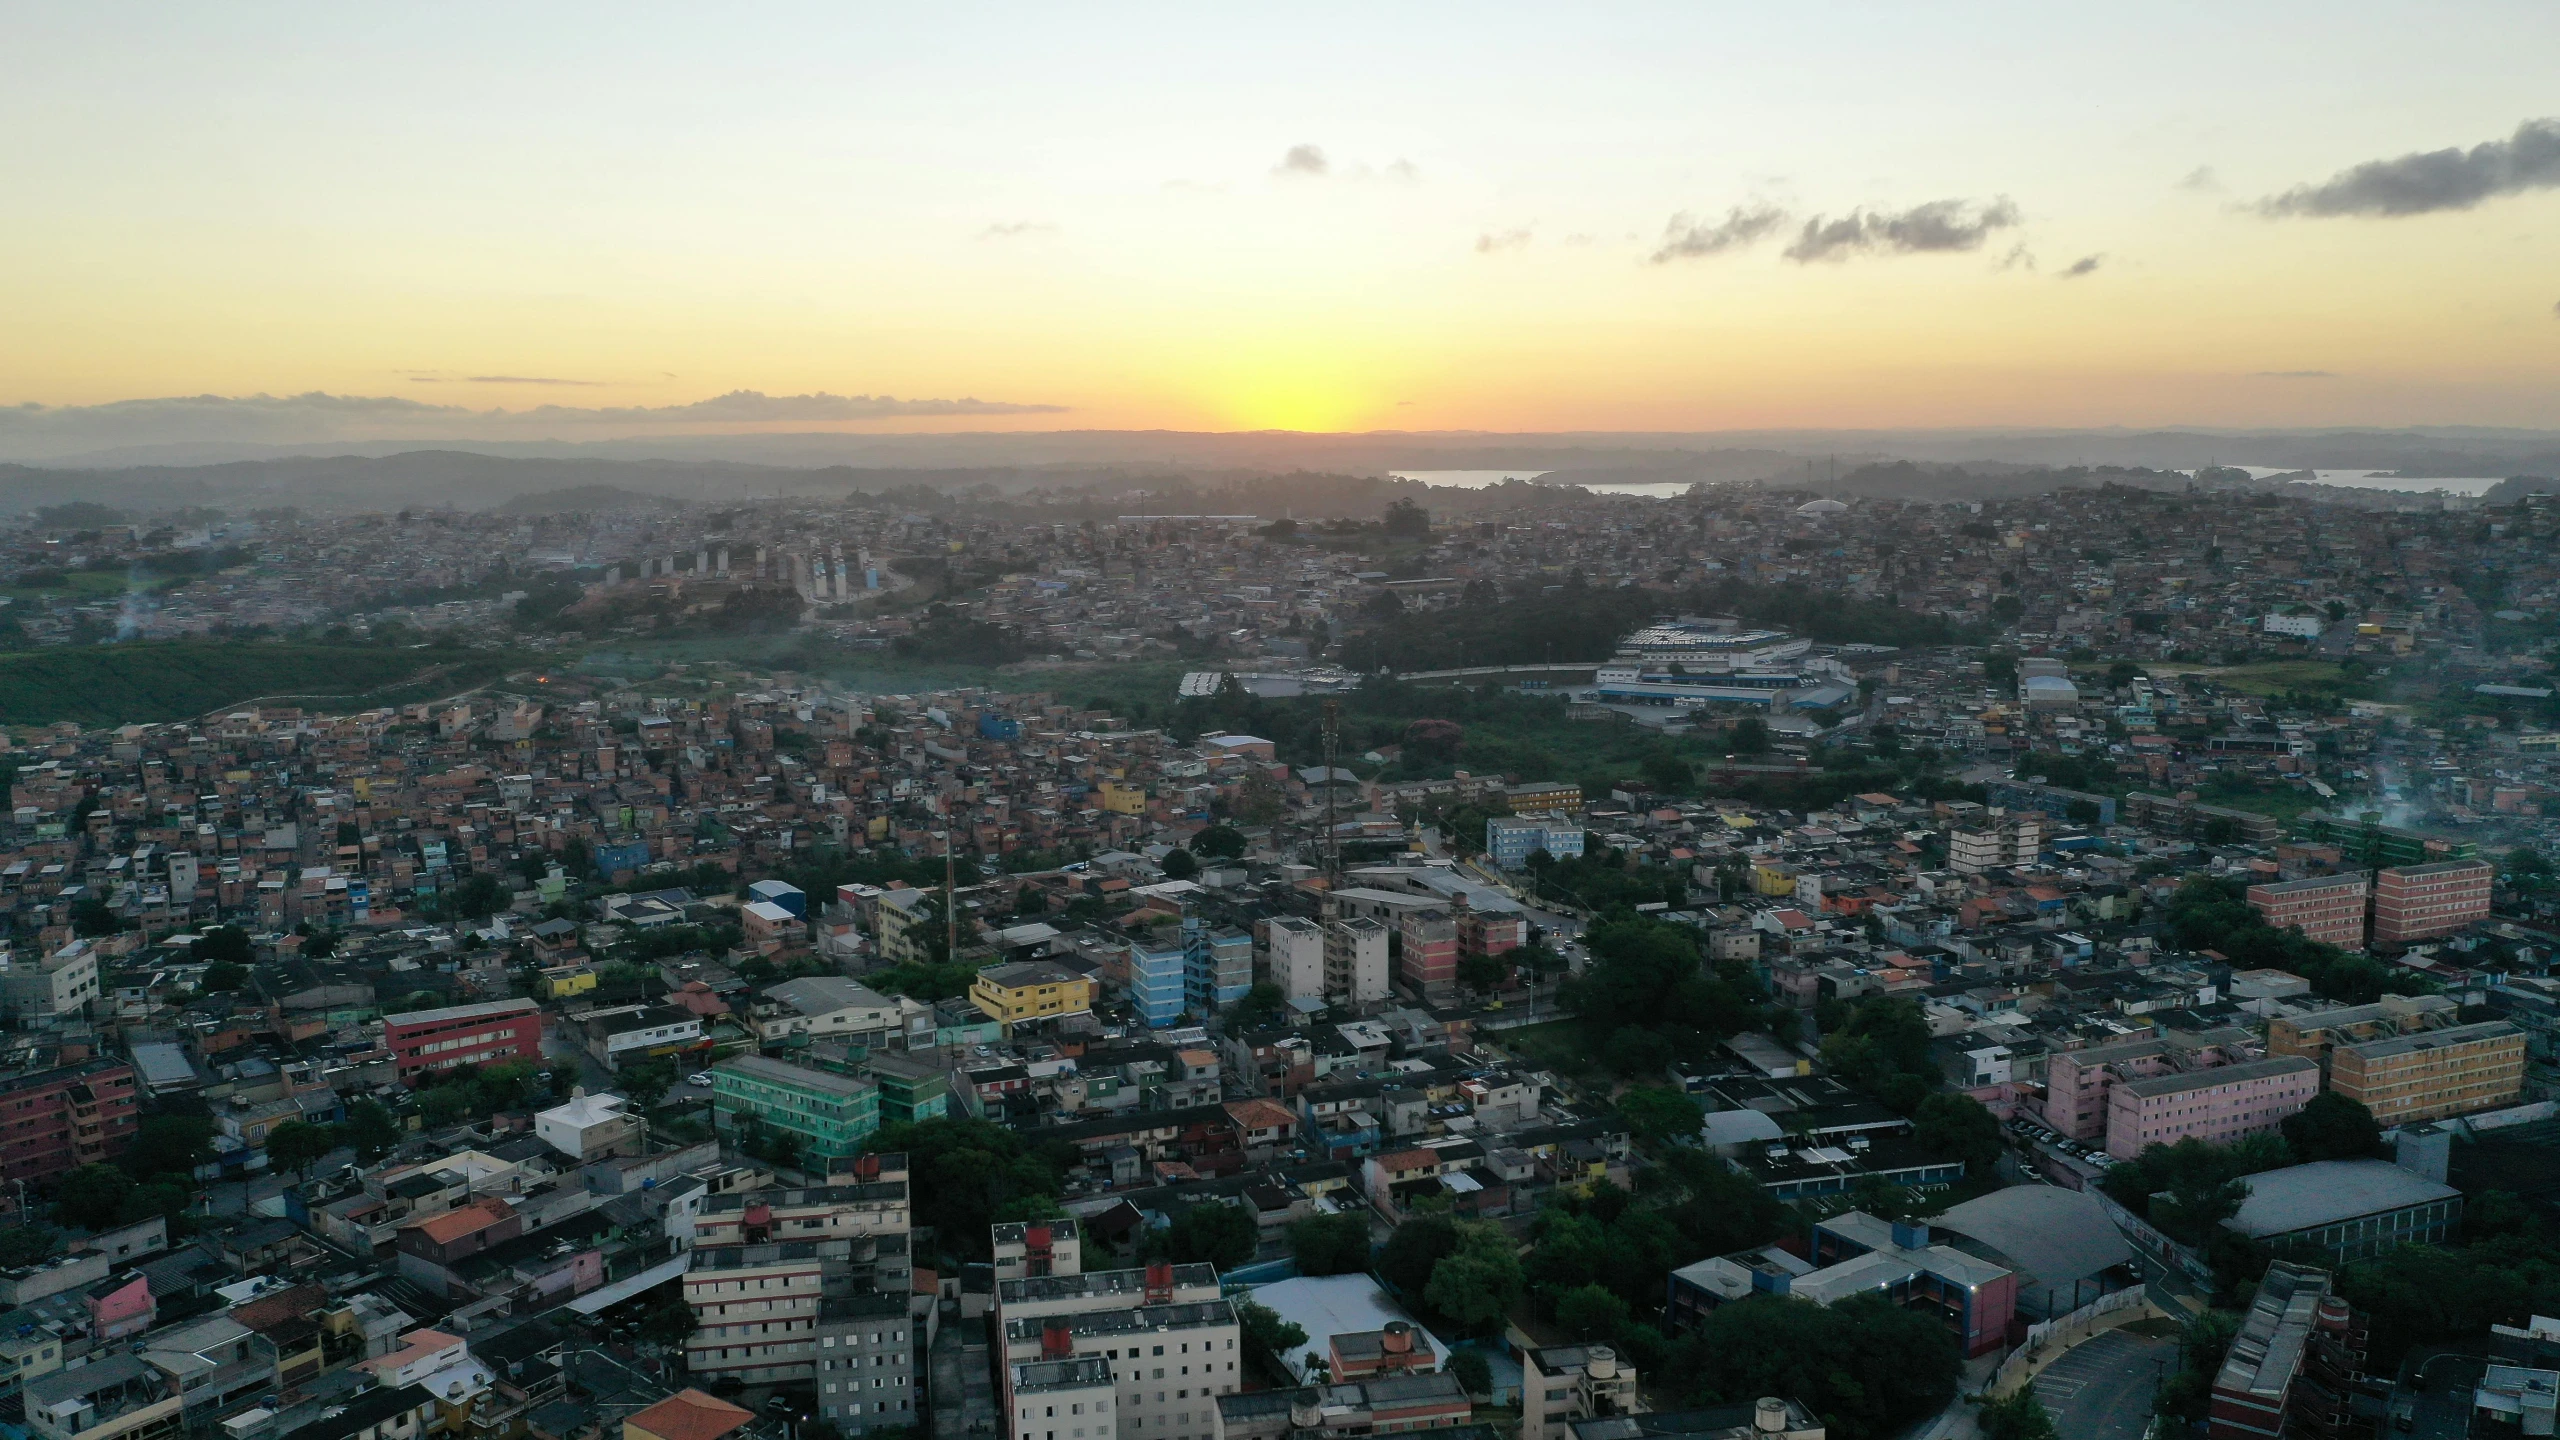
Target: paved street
2102 1390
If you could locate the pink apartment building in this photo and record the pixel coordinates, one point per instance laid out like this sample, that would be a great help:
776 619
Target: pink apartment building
2077 1082
2219 1105
2327 908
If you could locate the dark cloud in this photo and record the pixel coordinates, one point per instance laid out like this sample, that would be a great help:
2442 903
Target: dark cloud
2085 265
2295 374
2424 181
526 380
1303 160
2018 258
1938 227
1016 229
1494 242
1688 238
2201 179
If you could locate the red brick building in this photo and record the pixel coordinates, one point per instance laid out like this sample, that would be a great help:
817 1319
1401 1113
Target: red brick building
484 1034
56 1121
2420 902
2328 908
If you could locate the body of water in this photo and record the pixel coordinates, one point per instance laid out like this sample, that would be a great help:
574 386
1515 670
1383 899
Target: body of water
1486 479
2473 485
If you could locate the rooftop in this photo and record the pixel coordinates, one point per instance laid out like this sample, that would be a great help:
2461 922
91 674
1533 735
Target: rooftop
2306 1197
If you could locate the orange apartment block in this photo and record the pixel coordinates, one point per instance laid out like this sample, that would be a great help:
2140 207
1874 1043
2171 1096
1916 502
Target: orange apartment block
2420 902
2434 1073
2328 908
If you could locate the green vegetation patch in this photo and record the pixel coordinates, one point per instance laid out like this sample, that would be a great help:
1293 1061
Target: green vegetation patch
102 685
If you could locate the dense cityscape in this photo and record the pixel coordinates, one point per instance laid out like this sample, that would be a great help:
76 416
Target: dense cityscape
861 965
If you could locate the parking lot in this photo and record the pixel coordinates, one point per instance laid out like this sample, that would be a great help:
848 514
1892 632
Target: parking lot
2102 1390
2033 1133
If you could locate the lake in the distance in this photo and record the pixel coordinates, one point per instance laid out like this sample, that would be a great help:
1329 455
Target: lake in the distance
2472 485
1487 479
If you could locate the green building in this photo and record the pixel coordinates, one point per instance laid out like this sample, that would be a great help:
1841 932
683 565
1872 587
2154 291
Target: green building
909 1089
2366 842
827 1117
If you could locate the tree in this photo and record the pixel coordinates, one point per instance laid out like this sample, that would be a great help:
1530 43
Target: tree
92 1196
1180 864
1479 971
91 917
224 978
169 1145
2333 1127
1331 1244
1222 842
223 945
296 1144
1865 1365
1750 736
1958 1127
1667 773
968 1174
371 1130
1406 520
1265 1331
669 1322
1476 1286
1591 1312
1215 1233
2020 1417
648 1082
1417 1246
1658 1115
1471 1371
1261 1005
22 1245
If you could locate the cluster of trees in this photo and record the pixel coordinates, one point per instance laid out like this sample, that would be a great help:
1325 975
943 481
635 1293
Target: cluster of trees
2209 912
370 1130
171 680
463 1092
966 1175
1601 879
949 637
1865 1365
1466 1275
1648 990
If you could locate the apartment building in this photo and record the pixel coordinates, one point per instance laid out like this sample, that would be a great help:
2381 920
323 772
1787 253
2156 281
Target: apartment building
1160 1283
2077 1082
2221 1104
825 1115
1560 1384
483 1034
1217 967
866 1362
1031 990
1157 967
1995 844
2326 908
755 1310
2290 1371
1429 965
1355 961
1168 1363
2421 902
2433 1073
1296 948
1344 1409
1055 1399
2314 1034
55 1121
1027 1249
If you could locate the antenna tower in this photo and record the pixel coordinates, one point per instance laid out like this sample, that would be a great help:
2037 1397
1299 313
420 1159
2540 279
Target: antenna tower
1332 830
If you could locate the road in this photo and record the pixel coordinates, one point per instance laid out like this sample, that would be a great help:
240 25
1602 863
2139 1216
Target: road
2102 1390
2442 1411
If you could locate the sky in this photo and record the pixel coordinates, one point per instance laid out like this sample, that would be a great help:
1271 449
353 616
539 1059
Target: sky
1484 216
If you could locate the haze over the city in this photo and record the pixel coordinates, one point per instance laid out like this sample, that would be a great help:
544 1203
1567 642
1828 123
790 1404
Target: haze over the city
653 219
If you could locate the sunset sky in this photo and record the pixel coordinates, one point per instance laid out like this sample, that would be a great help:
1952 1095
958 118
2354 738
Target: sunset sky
1310 217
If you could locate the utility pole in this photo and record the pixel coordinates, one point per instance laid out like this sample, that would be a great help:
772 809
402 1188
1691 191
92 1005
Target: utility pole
950 905
1332 829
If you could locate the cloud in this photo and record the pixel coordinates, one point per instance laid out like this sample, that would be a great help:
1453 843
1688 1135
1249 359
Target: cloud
1688 238
526 380
1016 229
2018 258
2425 181
1404 172
1938 227
2294 374
1303 160
2085 265
33 431
1494 242
2202 180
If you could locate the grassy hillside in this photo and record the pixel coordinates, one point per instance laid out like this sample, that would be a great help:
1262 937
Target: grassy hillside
101 685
